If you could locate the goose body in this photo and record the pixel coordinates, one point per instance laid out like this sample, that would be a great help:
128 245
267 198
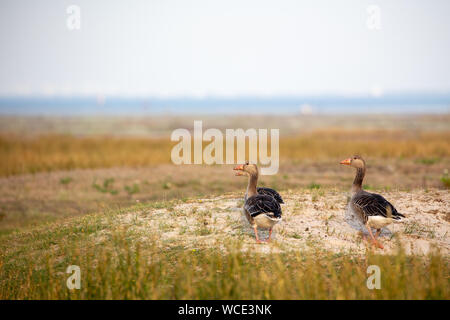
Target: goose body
262 205
263 210
372 209
270 192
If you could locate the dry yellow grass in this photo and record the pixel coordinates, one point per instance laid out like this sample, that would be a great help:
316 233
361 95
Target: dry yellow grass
59 152
118 261
331 143
63 152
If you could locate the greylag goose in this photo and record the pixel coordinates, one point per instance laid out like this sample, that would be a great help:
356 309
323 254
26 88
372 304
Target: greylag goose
373 209
262 205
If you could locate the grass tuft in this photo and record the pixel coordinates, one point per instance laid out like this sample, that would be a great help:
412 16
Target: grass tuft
445 179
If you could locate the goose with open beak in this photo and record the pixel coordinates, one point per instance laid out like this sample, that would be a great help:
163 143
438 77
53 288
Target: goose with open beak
262 205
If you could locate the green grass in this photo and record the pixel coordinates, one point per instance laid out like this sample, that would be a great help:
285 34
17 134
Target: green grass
313 186
65 180
445 179
106 187
414 228
295 235
428 161
132 189
117 262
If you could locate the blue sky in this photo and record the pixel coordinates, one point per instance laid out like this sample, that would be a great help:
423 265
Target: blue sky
223 48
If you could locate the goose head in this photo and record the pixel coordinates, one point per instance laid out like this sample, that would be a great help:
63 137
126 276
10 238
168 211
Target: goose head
355 162
246 169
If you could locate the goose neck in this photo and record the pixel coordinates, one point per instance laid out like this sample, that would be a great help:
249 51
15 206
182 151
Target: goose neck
357 183
251 187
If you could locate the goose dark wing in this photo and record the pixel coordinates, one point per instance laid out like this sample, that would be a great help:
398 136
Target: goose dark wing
373 204
270 192
262 203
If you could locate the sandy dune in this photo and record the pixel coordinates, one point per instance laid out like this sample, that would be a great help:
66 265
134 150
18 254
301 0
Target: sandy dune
311 219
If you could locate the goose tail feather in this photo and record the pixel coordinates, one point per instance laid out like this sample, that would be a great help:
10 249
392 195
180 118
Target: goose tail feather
392 213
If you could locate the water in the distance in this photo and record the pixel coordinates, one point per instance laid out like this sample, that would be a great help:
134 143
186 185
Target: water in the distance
392 104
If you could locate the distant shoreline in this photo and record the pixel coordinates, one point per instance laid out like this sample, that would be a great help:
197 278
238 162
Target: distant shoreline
286 105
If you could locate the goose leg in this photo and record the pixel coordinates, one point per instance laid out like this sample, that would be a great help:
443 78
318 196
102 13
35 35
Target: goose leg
255 228
270 234
362 235
374 241
377 233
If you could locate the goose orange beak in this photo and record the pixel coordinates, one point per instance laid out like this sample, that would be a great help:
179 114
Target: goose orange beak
240 170
347 161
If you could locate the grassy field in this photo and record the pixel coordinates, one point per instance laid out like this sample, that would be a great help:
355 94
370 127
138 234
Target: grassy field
56 152
53 177
119 260
103 194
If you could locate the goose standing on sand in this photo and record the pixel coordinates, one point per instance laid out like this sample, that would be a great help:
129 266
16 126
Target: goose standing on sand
262 205
373 209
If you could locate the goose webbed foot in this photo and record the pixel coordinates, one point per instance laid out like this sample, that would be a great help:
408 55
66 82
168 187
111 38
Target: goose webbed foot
375 243
377 234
